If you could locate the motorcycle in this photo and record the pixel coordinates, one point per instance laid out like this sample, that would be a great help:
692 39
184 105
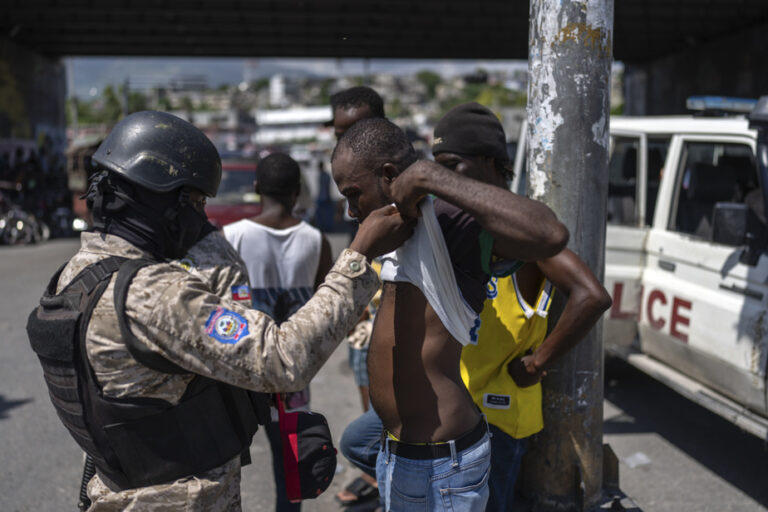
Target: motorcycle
18 227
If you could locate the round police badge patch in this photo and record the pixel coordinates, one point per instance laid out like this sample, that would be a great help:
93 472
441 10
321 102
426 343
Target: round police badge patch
226 326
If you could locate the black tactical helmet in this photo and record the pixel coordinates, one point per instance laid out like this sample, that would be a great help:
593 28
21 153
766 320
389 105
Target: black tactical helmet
161 152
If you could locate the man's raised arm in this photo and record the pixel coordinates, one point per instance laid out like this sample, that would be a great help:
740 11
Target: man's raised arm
522 228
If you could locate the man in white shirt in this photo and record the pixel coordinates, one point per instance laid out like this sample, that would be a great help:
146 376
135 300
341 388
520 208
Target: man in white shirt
286 260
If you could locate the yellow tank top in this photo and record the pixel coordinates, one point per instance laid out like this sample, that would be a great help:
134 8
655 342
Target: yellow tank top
508 328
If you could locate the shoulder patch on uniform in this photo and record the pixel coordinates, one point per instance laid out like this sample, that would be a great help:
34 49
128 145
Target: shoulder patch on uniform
241 292
226 326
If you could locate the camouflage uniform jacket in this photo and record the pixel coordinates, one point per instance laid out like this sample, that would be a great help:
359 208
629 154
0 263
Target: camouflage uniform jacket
216 262
175 313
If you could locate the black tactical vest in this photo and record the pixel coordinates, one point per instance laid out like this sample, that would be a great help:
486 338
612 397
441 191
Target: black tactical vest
134 442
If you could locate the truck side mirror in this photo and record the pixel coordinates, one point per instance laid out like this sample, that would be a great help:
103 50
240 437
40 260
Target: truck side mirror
735 224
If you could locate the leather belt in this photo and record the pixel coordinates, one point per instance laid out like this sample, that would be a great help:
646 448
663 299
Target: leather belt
434 450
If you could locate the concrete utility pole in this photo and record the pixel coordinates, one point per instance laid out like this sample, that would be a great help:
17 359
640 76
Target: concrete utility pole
569 63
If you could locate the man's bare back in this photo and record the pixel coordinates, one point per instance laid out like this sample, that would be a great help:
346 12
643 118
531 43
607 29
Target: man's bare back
413 365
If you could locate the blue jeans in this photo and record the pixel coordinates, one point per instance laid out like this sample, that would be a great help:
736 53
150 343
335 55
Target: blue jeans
456 483
360 441
505 465
358 362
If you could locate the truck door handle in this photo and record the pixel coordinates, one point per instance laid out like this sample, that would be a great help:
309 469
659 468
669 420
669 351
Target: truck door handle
744 291
667 265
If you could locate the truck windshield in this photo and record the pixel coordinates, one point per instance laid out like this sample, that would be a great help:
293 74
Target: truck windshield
712 172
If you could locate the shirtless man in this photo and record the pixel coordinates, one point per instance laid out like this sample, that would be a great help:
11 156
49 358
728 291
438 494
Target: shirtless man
437 453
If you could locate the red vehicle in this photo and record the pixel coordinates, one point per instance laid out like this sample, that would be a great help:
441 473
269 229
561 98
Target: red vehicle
236 198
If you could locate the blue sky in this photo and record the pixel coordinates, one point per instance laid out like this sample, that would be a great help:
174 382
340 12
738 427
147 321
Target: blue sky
89 75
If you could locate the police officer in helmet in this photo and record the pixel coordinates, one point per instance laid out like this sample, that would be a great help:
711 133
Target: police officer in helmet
156 172
146 365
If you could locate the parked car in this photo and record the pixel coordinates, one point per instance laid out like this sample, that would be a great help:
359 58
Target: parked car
236 198
686 261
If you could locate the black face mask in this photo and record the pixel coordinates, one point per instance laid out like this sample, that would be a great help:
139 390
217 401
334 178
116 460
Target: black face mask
185 230
166 225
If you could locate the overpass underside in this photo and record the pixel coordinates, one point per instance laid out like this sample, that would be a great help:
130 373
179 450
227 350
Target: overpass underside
671 48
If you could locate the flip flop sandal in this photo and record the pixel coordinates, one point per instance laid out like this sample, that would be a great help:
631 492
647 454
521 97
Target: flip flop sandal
362 490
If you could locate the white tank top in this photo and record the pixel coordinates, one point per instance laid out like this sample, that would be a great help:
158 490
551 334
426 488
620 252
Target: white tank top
423 260
282 264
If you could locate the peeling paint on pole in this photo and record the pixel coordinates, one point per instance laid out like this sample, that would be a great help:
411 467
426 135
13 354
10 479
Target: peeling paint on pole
552 37
543 121
569 61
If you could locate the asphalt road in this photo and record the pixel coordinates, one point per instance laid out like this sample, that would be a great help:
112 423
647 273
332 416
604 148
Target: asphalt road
677 456
674 455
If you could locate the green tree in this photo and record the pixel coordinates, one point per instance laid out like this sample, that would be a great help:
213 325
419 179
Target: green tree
492 96
164 104
70 109
113 107
137 101
186 104
260 84
325 91
499 96
468 93
395 108
85 111
431 80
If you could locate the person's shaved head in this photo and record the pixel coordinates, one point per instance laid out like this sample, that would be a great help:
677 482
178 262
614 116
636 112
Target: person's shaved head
278 175
375 141
366 159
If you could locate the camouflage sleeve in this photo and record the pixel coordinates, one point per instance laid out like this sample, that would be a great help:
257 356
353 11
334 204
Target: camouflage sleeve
216 263
177 315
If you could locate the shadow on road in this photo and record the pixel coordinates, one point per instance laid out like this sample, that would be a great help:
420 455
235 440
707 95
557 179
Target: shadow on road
649 406
6 405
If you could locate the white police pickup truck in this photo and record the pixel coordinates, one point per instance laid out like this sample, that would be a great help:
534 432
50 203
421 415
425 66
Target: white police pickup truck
686 260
